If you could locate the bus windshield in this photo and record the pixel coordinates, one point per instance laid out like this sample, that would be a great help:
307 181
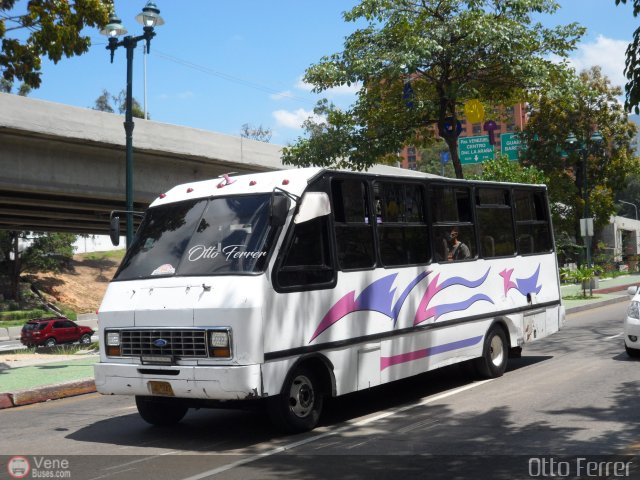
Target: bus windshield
209 236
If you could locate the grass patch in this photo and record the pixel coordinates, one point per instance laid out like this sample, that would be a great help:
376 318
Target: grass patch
20 317
581 297
116 255
23 315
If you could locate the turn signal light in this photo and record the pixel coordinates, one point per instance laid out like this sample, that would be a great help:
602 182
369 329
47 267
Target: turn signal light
113 351
221 352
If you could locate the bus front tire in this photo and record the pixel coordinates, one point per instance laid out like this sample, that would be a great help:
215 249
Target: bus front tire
495 353
161 411
298 407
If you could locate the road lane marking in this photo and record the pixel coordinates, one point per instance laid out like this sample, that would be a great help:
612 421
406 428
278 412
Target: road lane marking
614 336
350 425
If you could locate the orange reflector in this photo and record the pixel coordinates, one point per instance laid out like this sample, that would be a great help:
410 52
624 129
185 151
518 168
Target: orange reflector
113 351
221 352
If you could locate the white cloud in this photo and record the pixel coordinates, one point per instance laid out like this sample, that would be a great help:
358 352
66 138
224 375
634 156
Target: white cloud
605 52
304 86
281 95
293 119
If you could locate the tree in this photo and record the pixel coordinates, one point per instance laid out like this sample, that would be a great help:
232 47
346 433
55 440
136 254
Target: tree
579 104
630 194
417 62
502 169
50 28
107 102
46 252
7 87
632 65
259 133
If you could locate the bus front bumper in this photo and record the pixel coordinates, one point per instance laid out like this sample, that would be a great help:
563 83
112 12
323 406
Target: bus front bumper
210 382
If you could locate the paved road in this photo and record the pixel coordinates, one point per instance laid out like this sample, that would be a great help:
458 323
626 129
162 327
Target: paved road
575 393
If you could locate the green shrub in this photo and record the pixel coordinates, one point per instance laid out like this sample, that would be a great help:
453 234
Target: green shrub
24 314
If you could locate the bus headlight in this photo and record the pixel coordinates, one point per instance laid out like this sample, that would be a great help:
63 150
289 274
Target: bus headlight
113 344
634 310
220 343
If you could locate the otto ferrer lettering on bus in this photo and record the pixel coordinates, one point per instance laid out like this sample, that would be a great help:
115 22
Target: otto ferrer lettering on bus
230 252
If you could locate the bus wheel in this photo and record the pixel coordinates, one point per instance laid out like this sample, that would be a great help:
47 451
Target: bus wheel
495 353
160 411
298 407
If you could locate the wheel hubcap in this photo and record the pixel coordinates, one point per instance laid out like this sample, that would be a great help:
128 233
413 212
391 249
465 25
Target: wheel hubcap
497 350
301 396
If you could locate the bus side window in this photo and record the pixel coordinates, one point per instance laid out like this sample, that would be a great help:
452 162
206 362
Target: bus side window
532 222
451 210
353 224
495 221
306 260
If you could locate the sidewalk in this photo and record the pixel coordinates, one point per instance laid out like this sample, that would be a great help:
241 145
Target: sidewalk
609 290
41 377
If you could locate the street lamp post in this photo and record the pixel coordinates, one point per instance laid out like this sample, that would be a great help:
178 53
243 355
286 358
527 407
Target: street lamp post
149 18
585 149
632 204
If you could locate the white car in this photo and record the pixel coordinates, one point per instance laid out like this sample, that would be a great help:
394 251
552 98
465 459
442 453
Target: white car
632 324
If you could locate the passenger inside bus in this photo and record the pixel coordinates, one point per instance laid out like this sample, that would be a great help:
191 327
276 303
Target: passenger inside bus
457 250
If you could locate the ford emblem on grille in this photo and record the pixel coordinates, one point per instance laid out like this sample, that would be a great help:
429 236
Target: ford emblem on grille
160 342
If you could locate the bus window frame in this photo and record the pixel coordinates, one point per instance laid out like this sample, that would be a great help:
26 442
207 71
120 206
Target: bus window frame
380 225
286 245
470 186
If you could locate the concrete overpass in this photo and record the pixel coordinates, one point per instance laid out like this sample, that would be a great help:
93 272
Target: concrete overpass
62 168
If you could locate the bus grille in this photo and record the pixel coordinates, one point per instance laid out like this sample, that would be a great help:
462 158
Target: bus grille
179 343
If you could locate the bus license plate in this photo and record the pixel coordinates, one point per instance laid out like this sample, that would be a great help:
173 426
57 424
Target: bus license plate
161 388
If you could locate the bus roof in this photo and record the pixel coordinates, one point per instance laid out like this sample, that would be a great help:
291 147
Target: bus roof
293 181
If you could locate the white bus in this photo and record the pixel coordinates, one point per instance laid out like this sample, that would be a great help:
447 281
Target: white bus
297 285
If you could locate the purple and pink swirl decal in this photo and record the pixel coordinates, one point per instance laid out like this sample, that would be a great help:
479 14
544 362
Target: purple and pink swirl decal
379 297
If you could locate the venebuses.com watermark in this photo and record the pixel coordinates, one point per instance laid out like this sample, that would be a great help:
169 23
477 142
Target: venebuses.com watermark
38 467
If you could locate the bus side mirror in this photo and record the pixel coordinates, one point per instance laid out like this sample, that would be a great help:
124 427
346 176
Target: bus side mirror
279 210
114 230
313 205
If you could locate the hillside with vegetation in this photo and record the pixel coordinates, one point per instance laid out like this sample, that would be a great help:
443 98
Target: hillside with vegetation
80 287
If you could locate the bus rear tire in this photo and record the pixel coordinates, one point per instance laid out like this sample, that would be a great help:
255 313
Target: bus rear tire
495 354
298 407
161 411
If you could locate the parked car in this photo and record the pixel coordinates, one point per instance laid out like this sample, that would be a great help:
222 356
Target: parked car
632 324
49 332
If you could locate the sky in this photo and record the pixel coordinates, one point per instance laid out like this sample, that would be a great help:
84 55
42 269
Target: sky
216 65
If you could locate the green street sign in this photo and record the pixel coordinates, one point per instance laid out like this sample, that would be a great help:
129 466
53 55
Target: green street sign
511 145
475 149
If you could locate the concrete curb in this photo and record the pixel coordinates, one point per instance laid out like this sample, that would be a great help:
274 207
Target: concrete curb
596 304
49 392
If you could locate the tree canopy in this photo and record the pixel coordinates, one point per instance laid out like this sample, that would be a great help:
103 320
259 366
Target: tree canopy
581 104
632 64
259 133
416 63
50 28
108 102
46 252
501 169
